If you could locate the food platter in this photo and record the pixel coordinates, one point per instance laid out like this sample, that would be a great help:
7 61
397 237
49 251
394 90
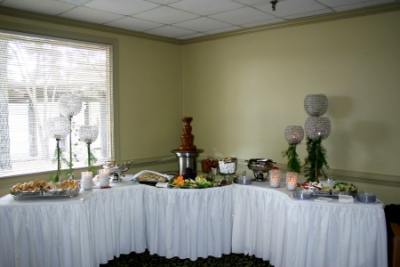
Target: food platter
46 194
188 186
317 190
151 177
331 193
199 182
44 189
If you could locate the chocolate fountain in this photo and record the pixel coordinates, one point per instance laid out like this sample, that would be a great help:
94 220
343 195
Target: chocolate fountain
187 152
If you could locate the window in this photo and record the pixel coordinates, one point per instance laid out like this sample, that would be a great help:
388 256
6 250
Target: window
35 72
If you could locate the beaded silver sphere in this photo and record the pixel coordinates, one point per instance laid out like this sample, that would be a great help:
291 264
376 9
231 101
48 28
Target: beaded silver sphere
88 134
316 105
69 105
317 127
294 134
58 127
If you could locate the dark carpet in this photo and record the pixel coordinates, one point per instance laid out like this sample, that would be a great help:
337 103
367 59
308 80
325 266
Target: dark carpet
145 259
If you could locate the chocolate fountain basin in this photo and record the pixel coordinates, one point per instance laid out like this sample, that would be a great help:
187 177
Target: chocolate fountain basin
187 159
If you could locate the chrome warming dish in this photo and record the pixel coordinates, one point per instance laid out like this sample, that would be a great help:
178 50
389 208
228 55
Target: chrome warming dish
117 167
260 166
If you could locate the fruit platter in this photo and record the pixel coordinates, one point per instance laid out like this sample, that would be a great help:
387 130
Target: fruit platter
200 181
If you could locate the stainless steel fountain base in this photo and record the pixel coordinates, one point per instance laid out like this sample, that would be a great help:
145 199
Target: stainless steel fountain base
187 159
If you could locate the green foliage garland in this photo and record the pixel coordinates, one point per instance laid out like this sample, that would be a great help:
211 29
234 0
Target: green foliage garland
316 160
294 164
58 155
91 159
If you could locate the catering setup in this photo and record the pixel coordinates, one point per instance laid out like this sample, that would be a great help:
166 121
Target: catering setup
192 213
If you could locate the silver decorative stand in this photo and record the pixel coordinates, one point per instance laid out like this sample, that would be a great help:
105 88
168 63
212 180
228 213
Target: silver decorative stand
58 128
316 126
70 105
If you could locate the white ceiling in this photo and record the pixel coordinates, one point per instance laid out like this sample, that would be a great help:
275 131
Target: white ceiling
186 19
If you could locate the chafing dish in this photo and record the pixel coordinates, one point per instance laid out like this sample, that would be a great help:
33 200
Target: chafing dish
260 166
117 168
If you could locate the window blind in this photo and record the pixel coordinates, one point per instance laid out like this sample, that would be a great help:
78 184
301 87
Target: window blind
35 71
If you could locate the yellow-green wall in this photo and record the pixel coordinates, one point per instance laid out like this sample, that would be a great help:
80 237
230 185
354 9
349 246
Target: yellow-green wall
244 90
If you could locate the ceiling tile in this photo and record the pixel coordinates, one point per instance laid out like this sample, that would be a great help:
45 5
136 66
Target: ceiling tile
287 8
170 31
185 19
192 36
252 2
310 14
229 29
166 15
124 7
206 7
263 22
335 3
202 24
75 2
163 2
90 15
48 7
133 24
362 4
242 16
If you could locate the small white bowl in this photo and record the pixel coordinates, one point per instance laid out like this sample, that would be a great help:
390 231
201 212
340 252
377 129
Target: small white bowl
328 182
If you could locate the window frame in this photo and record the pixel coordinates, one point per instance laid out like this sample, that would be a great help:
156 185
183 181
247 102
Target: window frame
79 37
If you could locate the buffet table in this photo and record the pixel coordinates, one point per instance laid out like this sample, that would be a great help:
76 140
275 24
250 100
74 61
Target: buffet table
97 225
272 226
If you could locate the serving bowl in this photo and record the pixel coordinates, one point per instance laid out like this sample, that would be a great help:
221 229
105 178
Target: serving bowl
328 182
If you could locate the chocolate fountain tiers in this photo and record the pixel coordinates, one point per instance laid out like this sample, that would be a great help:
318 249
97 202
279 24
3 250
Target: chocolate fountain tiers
187 152
187 137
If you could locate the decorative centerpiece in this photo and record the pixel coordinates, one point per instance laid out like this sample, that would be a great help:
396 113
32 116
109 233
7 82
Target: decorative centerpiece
274 177
70 105
293 135
88 134
187 152
58 128
317 129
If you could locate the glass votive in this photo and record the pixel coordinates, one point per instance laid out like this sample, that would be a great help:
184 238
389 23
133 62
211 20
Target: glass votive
104 177
291 180
274 178
87 180
104 181
104 172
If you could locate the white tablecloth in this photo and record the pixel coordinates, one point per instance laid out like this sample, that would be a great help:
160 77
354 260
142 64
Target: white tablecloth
189 223
270 225
97 225
86 230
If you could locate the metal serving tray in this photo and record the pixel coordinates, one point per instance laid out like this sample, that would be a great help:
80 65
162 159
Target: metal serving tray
46 194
